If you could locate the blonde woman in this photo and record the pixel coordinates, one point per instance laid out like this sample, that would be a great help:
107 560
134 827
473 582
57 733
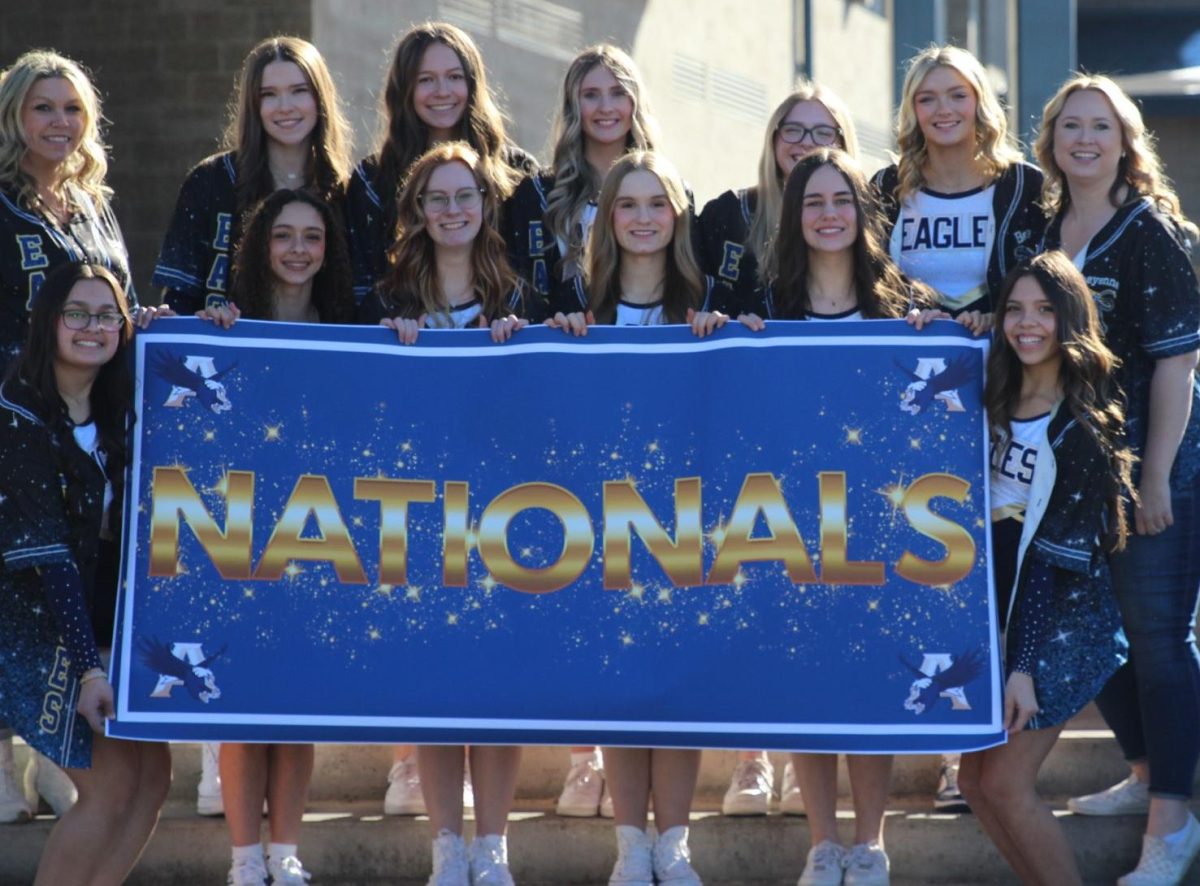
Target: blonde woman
602 113
737 229
961 206
1115 213
286 130
436 91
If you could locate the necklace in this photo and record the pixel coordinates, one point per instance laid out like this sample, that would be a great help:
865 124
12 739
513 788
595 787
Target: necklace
289 177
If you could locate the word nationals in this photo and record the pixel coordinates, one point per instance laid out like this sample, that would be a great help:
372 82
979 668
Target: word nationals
760 503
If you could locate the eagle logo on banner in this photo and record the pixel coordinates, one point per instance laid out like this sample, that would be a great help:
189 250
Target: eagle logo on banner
196 377
942 676
181 664
934 379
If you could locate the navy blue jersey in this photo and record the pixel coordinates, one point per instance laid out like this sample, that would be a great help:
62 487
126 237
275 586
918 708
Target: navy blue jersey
1138 269
31 246
194 264
724 229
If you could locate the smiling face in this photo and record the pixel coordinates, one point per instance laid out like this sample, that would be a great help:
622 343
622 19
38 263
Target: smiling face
441 93
1087 138
297 244
643 218
829 216
53 118
287 103
1031 324
945 105
456 224
87 349
605 107
810 115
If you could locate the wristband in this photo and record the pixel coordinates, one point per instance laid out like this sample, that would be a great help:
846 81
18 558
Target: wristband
93 674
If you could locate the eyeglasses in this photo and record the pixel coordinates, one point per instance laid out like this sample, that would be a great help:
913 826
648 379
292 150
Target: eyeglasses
793 133
436 202
109 321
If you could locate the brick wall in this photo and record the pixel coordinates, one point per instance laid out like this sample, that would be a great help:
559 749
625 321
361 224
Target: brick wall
165 69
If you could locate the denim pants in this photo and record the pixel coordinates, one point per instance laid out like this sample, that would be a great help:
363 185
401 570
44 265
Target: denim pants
1152 703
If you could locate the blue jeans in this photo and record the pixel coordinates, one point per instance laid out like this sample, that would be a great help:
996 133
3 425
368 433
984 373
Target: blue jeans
1152 703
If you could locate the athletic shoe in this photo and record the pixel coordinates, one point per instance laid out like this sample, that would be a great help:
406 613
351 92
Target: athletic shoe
1129 797
489 861
250 872
948 797
450 866
673 860
46 780
403 795
287 872
791 801
209 801
1162 864
867 865
582 790
13 807
606 810
635 865
750 789
824 866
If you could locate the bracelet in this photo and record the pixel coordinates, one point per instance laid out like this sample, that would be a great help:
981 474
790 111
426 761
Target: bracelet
93 674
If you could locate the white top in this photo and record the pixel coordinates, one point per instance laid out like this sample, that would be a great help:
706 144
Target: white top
87 438
458 317
1013 462
629 314
945 241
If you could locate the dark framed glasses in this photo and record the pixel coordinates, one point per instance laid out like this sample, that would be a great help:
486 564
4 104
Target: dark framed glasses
822 135
76 320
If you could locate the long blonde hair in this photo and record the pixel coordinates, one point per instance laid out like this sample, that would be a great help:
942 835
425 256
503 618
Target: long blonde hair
575 181
329 152
88 165
765 221
1139 168
411 286
684 285
995 150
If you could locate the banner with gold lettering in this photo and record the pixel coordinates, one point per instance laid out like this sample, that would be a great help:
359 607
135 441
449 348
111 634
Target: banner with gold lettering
773 539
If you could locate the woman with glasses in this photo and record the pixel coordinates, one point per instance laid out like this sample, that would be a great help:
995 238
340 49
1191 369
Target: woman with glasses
448 270
54 209
737 229
65 407
961 207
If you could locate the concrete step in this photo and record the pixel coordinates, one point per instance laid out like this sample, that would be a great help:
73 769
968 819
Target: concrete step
352 843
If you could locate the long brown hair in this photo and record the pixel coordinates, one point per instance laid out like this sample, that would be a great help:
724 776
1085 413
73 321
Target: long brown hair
411 286
1085 374
329 151
683 286
253 286
404 136
880 289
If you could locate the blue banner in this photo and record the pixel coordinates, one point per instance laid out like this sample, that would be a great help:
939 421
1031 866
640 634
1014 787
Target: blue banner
638 537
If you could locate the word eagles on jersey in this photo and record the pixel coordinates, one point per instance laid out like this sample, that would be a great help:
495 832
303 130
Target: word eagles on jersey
760 501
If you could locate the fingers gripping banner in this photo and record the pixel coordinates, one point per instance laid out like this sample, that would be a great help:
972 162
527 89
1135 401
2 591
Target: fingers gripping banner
638 537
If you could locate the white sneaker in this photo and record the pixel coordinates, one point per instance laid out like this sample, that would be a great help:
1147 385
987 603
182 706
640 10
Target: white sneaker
582 790
1164 865
606 809
948 797
13 807
247 873
824 866
468 794
404 795
867 865
635 865
46 780
750 789
489 861
208 793
287 871
1128 797
450 866
673 859
791 801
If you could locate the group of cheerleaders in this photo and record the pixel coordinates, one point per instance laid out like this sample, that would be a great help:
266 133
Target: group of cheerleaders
1077 269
